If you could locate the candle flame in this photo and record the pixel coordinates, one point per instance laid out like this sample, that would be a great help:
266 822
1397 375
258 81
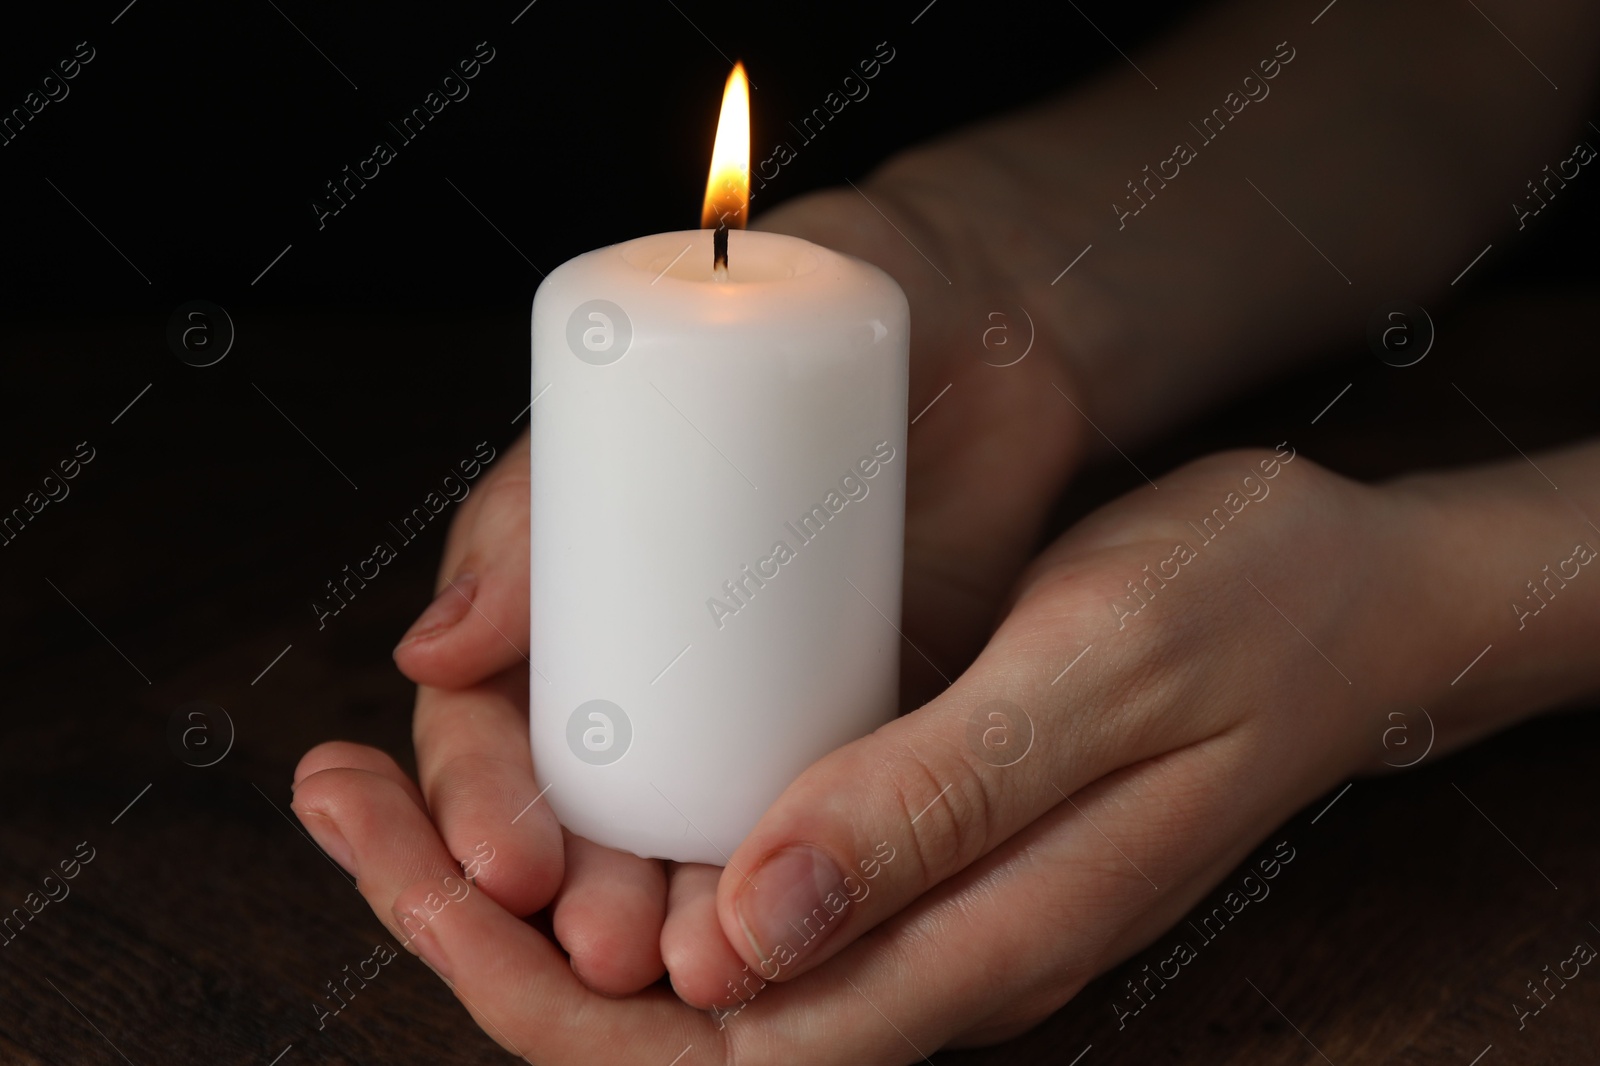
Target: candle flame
728 185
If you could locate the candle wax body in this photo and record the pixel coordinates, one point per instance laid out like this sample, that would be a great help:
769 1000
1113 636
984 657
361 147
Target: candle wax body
717 521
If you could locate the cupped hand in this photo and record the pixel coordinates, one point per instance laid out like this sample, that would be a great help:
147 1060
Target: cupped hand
1173 677
985 464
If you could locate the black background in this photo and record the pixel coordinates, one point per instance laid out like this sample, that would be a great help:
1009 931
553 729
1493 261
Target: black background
200 135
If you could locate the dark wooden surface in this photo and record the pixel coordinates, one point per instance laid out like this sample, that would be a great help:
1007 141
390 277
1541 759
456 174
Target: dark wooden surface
206 924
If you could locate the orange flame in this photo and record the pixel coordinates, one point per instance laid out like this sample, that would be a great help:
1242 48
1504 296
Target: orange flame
728 185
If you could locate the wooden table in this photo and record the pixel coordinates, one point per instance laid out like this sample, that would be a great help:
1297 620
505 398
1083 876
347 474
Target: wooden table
183 565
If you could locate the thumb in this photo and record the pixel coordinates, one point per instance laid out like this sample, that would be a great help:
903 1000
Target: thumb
872 826
477 624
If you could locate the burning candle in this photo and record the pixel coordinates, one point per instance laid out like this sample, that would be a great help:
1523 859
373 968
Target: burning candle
717 520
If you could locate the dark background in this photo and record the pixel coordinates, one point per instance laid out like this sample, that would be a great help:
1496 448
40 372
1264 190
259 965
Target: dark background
199 136
190 549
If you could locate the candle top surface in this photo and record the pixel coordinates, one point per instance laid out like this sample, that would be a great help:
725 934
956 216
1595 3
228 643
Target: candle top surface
754 257
684 257
775 283
771 276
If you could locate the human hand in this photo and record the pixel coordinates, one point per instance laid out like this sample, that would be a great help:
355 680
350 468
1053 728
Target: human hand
968 533
1257 674
1148 738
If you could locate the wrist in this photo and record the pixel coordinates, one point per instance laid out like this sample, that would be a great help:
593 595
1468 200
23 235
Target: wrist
943 221
977 225
1513 586
1007 243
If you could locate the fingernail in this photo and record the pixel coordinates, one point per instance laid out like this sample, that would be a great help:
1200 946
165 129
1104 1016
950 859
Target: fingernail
325 831
783 910
448 608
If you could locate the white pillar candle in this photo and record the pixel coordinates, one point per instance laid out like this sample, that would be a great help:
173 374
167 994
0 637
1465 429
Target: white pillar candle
718 487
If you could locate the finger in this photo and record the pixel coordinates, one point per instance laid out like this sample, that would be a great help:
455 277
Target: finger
517 985
1072 895
923 789
333 754
343 755
608 916
477 777
1002 944
706 972
1041 916
477 624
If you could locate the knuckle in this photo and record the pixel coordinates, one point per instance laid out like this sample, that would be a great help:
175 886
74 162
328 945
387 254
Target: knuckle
465 784
506 487
947 807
